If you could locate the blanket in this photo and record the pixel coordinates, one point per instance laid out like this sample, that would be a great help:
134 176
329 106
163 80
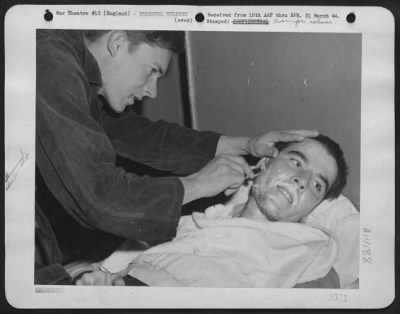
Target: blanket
212 249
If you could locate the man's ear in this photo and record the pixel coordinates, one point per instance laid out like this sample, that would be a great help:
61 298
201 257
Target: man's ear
115 41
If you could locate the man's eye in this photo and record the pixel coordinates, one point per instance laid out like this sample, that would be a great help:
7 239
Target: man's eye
318 186
154 71
295 162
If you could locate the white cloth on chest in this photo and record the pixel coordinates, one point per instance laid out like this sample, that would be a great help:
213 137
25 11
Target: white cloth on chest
212 249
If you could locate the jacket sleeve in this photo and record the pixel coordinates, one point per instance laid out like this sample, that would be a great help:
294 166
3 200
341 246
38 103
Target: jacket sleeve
161 145
77 160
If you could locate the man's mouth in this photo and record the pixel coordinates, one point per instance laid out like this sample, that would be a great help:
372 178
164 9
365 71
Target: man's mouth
286 193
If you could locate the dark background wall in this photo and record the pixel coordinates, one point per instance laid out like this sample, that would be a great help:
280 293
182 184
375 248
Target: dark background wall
248 83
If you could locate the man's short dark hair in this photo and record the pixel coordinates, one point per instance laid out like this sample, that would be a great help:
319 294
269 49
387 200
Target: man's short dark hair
336 152
171 40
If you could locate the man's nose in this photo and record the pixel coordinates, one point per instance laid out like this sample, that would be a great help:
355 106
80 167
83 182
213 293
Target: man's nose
301 180
151 88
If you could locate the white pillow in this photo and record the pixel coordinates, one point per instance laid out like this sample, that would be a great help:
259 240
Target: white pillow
341 218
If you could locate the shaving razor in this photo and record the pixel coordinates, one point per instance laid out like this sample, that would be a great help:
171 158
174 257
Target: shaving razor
258 168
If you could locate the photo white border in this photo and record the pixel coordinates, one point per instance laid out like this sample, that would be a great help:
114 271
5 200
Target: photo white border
377 162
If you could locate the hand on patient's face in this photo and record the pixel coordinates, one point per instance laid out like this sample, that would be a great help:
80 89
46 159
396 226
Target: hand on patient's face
100 278
223 173
263 145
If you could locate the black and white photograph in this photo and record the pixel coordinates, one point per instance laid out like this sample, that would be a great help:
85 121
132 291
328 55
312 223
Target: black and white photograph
213 152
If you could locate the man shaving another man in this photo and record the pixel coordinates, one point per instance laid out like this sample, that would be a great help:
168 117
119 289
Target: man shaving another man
85 82
237 245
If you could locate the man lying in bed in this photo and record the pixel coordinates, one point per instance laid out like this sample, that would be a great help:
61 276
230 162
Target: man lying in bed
262 243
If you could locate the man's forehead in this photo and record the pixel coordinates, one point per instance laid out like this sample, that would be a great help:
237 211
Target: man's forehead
308 145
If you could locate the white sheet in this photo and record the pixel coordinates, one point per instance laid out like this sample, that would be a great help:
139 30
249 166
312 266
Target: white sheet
215 250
